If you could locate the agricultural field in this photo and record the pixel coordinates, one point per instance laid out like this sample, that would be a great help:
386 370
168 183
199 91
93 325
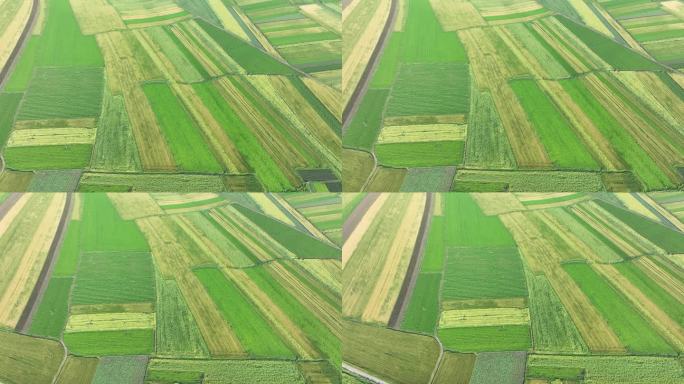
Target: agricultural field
170 288
513 287
495 95
170 96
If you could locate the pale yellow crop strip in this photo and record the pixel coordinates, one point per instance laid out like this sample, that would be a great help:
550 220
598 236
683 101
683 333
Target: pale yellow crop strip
484 317
110 321
51 136
422 133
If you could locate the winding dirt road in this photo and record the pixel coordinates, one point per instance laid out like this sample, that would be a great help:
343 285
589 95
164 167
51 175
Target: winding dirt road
413 268
361 88
41 284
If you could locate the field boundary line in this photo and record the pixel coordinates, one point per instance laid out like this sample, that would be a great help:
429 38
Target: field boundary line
359 212
21 43
363 84
414 268
44 277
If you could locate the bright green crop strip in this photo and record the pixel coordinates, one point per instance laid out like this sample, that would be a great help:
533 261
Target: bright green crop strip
301 244
251 59
9 103
625 145
632 329
266 169
618 56
482 339
467 226
102 229
319 334
256 335
67 260
420 154
655 292
422 312
365 126
189 149
433 257
53 310
670 240
111 343
560 140
72 156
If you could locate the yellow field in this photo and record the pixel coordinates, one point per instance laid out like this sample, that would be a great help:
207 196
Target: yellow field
228 21
457 14
110 321
26 234
362 26
484 317
422 133
374 271
135 205
323 16
96 16
13 19
51 136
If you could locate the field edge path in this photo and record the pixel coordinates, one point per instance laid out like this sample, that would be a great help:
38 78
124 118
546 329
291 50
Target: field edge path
44 277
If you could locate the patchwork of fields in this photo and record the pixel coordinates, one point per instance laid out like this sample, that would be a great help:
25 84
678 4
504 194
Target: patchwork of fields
493 95
512 288
170 288
172 96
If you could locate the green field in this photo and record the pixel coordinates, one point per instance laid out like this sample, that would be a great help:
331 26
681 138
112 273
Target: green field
52 313
102 229
187 144
422 312
111 343
48 157
113 278
561 142
483 273
632 329
254 332
177 333
480 339
301 244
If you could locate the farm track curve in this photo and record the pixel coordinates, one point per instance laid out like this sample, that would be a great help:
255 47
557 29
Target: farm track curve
359 372
355 218
361 88
44 277
16 52
414 266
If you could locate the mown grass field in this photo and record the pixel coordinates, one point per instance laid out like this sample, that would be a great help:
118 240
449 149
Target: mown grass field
547 87
166 92
534 287
170 287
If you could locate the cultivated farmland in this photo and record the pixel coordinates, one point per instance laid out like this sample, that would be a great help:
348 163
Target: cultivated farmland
511 288
491 95
137 95
170 288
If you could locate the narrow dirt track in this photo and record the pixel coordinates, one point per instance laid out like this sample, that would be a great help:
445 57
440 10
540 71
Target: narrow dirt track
8 204
356 216
413 268
359 372
41 284
361 88
14 56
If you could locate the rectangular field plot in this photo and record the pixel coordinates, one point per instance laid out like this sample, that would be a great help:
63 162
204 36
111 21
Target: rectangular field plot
111 343
63 93
430 89
480 339
114 277
217 371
